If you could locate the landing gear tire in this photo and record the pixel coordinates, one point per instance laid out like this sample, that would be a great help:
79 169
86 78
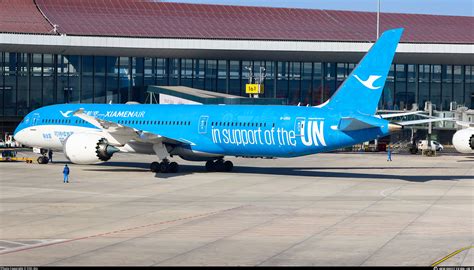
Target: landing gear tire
173 167
228 166
164 167
155 166
219 166
43 160
210 166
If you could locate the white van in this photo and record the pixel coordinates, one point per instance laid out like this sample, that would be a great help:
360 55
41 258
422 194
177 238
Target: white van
423 145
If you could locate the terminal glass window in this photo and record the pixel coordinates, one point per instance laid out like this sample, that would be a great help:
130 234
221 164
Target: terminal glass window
2 85
74 86
36 87
138 89
23 106
458 86
294 84
423 85
174 71
400 87
306 83
282 80
222 76
124 79
149 71
199 71
9 93
161 72
469 92
48 79
87 93
330 79
411 86
234 78
446 86
269 88
435 85
187 72
112 79
211 75
245 74
388 91
62 82
99 80
2 88
341 69
318 90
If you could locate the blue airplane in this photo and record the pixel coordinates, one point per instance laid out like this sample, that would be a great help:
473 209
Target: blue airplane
92 133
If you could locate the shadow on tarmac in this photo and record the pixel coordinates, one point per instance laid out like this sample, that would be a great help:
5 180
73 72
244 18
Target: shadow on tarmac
322 172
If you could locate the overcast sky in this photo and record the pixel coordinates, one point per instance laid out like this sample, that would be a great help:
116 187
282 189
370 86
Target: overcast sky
441 7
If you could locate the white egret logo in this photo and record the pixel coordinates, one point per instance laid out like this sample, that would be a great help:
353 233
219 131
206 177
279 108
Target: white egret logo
66 114
369 83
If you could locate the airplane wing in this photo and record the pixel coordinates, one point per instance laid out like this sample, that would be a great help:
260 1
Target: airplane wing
123 134
423 121
392 115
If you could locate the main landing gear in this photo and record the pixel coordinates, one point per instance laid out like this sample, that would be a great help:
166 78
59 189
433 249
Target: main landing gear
164 167
219 166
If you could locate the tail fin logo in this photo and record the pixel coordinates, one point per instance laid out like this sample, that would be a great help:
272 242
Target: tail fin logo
369 83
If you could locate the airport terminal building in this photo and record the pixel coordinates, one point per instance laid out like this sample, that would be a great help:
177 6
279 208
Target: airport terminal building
101 51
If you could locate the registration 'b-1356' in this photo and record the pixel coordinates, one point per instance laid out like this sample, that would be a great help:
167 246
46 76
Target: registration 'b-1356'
91 133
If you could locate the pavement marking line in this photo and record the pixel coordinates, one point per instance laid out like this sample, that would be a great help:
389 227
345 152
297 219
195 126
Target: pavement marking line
451 255
13 242
113 232
26 246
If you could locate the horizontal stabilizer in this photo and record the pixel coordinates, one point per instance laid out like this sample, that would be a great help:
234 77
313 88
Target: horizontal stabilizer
352 123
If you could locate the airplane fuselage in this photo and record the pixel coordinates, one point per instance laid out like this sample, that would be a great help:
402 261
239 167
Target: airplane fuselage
227 130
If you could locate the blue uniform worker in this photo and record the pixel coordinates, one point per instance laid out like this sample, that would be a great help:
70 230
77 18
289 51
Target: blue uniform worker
389 153
66 174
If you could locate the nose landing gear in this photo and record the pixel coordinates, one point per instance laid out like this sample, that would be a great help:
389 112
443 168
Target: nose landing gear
219 166
43 159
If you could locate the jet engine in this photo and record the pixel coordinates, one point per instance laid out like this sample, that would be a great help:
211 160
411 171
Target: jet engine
463 140
88 148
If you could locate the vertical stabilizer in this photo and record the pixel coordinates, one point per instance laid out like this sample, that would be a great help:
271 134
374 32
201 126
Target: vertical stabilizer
361 91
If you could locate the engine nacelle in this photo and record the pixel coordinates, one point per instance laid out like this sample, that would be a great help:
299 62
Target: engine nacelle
88 148
463 140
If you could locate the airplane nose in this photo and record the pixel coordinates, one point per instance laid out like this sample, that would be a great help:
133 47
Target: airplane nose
18 135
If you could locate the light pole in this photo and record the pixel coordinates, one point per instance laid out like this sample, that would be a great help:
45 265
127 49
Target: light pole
378 18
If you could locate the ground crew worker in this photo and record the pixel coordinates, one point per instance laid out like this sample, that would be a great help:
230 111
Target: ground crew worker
50 155
66 174
389 152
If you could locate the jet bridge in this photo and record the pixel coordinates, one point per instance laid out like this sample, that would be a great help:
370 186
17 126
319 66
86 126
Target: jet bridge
187 95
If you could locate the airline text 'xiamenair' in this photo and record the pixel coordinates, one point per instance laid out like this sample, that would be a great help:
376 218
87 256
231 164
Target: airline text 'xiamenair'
91 133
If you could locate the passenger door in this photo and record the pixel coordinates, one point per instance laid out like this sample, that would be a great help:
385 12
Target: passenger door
202 126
